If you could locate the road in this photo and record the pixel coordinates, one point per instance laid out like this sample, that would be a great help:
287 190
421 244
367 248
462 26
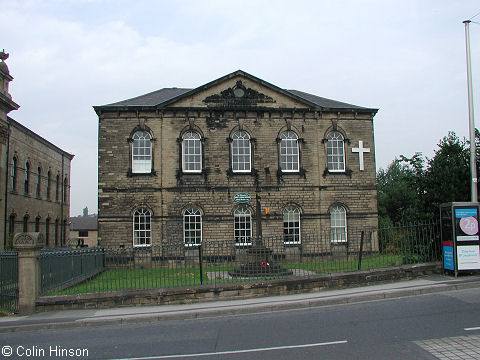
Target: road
417 327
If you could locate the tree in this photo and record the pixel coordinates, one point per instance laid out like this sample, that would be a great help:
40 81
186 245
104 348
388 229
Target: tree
412 189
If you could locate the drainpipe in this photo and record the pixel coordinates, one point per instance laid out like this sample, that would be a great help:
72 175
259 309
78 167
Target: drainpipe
7 178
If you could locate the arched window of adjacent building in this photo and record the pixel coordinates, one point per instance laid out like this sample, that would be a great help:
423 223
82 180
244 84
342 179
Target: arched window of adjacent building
335 152
241 152
142 235
25 223
37 224
39 182
64 232
11 224
47 231
56 232
142 153
289 152
192 227
49 184
13 174
191 152
338 223
57 185
27 177
242 225
65 190
291 225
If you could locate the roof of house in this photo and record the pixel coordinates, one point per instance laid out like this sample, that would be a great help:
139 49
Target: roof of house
163 97
83 223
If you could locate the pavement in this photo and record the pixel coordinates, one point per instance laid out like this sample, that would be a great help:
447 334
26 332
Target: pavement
138 314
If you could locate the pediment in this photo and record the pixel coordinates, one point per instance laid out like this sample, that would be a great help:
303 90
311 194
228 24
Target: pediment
239 91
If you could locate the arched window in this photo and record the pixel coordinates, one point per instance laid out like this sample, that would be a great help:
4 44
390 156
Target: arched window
37 224
39 182
13 174
47 231
335 152
142 153
338 223
11 224
65 190
192 227
289 152
49 184
142 235
25 223
27 177
56 232
291 225
191 152
57 184
242 225
241 152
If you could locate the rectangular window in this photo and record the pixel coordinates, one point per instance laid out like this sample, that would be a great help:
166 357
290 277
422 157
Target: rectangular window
83 233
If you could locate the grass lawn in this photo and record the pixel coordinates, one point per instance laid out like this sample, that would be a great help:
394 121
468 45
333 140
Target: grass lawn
123 279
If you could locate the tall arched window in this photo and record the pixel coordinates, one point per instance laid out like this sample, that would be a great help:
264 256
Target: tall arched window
142 234
13 174
25 223
56 232
335 152
241 152
49 184
27 178
338 223
11 224
47 231
37 224
289 152
242 225
39 182
57 185
192 227
65 190
291 225
141 153
191 152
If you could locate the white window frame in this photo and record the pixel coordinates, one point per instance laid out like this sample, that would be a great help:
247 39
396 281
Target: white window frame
242 226
192 227
241 152
142 227
338 224
141 153
335 152
289 152
190 139
291 225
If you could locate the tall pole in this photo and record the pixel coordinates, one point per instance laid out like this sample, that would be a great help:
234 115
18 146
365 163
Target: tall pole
473 157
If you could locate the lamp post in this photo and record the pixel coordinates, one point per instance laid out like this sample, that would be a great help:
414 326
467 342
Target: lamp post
473 160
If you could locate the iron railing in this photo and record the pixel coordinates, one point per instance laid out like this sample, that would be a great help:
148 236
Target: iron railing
9 281
170 265
61 268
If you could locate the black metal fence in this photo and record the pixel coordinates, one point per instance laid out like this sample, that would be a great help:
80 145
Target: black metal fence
8 281
62 268
172 265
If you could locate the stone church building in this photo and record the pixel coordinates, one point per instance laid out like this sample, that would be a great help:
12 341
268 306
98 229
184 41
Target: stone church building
234 159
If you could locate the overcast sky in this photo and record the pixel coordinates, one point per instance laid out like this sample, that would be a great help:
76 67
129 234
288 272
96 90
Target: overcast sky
405 57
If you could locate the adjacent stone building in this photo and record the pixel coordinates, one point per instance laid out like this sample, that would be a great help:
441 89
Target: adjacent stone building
234 159
34 178
84 230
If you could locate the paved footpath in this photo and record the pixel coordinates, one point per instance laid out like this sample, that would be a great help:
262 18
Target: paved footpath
120 315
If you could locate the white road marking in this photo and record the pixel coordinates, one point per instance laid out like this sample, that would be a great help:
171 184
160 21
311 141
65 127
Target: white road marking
472 329
232 352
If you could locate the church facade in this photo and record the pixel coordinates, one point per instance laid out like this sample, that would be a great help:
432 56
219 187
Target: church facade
234 159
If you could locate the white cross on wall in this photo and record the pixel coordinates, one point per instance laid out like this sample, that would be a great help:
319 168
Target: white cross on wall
360 150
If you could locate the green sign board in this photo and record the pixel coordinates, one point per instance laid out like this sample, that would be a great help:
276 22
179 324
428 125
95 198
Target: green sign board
242 197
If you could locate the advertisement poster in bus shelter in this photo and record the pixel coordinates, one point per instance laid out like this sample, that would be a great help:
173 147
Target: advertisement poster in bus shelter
467 238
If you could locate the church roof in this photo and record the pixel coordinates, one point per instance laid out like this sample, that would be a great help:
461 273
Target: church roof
163 97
